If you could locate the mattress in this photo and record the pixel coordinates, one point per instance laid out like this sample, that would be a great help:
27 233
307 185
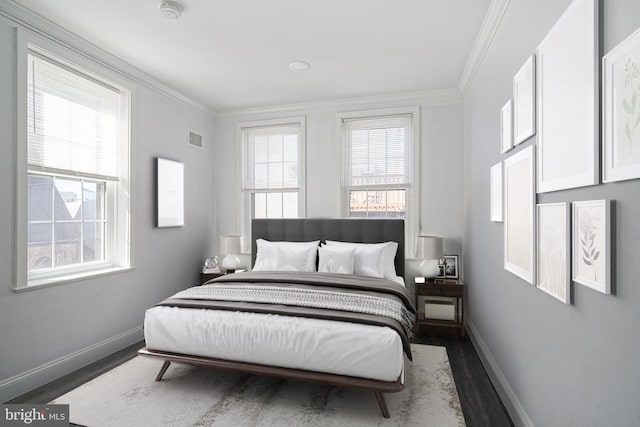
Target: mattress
328 346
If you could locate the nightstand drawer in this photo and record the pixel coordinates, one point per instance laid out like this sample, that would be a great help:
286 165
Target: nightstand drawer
440 305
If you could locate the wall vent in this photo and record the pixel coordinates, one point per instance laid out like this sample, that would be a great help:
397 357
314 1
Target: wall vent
195 139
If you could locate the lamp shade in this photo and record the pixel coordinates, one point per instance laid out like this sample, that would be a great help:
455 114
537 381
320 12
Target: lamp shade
429 247
229 244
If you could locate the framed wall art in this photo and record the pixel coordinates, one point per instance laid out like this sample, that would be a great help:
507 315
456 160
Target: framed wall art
450 266
496 193
621 111
567 73
519 214
553 244
591 244
170 193
524 102
506 130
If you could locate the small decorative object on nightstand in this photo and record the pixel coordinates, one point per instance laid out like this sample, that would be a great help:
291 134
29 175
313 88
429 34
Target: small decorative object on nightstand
440 306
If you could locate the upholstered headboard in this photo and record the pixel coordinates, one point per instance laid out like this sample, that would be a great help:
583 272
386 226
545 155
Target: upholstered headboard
341 229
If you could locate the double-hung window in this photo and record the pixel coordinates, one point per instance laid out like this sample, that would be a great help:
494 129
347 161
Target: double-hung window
273 172
380 174
77 173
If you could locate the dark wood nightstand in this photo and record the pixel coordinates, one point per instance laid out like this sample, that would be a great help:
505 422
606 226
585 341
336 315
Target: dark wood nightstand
440 306
205 277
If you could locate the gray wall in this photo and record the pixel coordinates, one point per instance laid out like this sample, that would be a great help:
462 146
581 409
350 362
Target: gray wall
48 332
554 365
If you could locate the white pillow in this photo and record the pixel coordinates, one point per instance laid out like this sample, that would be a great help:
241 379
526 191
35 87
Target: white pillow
336 260
388 257
300 254
296 259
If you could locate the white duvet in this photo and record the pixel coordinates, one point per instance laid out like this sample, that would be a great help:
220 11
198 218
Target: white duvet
329 346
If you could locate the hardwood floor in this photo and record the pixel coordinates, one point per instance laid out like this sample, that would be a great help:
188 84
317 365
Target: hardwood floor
480 402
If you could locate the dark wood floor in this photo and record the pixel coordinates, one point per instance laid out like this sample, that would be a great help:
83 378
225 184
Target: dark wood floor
480 402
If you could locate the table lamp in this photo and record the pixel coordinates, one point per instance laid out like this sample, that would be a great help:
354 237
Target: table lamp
230 249
429 249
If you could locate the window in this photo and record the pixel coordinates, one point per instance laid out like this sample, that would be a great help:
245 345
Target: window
76 172
379 170
273 172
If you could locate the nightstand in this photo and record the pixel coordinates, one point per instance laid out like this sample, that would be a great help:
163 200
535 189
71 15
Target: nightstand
440 306
205 277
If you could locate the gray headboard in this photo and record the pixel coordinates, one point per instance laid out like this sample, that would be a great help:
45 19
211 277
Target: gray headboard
342 229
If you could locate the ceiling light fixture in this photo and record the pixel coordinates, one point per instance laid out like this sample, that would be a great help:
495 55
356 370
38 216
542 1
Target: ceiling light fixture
170 10
299 66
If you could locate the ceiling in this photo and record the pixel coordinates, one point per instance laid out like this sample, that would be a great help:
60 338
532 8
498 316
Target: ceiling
233 54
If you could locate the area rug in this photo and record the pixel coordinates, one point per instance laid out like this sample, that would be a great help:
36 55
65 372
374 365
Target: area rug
195 396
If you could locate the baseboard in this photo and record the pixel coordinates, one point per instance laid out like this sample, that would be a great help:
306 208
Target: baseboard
43 374
509 399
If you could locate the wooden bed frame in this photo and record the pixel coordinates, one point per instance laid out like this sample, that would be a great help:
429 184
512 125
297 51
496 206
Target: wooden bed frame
350 230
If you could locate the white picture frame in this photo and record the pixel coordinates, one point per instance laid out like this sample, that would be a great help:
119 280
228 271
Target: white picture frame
553 243
506 129
591 244
567 83
496 193
621 116
170 193
524 102
519 214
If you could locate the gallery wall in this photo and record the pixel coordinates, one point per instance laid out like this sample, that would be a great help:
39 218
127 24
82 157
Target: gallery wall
48 332
553 364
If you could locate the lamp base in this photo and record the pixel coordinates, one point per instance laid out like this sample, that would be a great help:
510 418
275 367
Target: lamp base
429 268
231 262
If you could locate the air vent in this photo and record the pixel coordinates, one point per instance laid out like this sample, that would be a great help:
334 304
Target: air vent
195 140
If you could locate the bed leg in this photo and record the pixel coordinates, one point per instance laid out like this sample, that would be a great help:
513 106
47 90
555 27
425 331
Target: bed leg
164 368
382 404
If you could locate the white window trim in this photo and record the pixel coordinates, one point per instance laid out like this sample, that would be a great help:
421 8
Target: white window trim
411 225
120 202
244 196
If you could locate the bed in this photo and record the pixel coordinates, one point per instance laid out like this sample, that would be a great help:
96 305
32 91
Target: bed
297 324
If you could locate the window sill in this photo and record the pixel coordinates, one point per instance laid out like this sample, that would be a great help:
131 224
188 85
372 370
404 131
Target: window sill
69 278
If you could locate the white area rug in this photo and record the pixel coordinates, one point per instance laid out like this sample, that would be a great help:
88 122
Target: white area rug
193 396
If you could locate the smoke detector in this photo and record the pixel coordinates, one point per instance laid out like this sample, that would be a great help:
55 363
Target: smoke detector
170 10
299 66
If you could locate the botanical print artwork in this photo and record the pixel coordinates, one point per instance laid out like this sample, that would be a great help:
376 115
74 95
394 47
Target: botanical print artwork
591 244
524 102
621 111
553 250
519 215
567 88
589 225
628 119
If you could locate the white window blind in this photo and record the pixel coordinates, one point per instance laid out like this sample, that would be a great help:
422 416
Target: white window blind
273 157
72 121
379 151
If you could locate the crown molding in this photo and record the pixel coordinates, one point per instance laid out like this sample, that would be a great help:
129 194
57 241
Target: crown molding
490 25
31 21
428 97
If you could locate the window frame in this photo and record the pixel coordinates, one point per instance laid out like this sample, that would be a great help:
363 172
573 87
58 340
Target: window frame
412 195
245 200
119 207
